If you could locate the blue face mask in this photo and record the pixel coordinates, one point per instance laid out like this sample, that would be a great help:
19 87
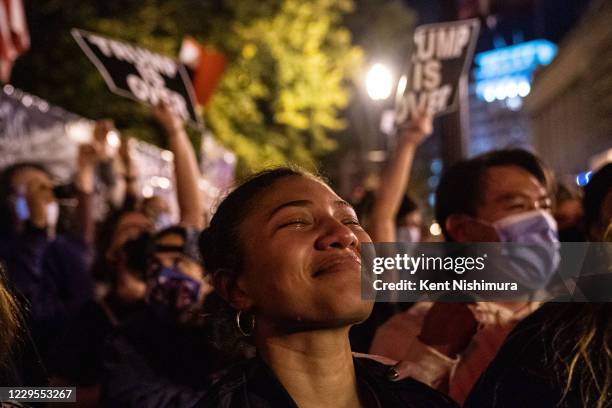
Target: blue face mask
535 260
21 208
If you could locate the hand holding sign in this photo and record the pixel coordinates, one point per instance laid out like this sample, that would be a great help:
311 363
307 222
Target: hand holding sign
418 129
140 74
169 119
442 54
100 138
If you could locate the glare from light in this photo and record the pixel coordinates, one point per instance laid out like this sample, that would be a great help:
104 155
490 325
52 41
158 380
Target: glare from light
167 155
514 103
80 131
511 89
189 53
27 101
489 94
524 88
379 82
500 92
229 157
112 138
147 191
434 229
583 179
164 182
431 199
203 184
401 86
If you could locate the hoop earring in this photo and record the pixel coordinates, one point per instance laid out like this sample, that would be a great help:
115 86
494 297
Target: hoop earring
239 325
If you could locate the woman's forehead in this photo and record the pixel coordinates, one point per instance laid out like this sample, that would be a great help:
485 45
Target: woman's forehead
297 188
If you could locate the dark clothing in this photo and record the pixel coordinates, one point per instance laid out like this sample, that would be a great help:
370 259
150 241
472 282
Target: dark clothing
24 369
51 274
253 384
361 335
521 374
153 362
50 277
78 354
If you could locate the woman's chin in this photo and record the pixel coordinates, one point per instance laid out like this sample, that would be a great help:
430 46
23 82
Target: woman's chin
351 312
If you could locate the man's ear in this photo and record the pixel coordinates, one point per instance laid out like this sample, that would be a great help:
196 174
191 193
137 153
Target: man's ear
233 289
456 226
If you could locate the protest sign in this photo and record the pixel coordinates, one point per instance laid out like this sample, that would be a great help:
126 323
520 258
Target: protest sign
442 54
137 73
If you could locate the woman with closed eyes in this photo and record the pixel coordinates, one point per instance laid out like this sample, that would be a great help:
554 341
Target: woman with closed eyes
285 255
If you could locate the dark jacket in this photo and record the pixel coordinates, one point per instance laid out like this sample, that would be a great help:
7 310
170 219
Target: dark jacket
521 374
154 363
50 277
252 384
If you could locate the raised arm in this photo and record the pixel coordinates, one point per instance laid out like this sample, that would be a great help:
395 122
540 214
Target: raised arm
130 174
186 170
85 184
395 178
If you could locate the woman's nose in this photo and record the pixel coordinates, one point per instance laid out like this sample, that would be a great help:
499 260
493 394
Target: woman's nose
336 235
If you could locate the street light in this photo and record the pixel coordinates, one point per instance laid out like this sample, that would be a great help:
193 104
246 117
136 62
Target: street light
379 82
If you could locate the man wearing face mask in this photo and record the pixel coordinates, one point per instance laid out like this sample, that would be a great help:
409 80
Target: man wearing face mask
501 196
47 270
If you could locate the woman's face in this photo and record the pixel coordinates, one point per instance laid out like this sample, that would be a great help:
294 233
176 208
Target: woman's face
302 257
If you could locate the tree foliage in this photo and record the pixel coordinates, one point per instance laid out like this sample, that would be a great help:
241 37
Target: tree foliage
279 99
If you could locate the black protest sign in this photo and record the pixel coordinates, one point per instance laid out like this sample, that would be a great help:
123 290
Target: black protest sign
442 53
137 73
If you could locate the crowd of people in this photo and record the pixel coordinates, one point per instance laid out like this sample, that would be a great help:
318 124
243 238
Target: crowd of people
259 304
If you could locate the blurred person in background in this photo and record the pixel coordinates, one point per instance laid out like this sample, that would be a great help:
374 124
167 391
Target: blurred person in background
284 253
48 271
121 254
124 258
157 210
598 203
568 213
502 196
164 356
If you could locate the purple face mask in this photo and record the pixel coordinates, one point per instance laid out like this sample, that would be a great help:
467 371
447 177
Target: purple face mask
527 227
174 289
536 259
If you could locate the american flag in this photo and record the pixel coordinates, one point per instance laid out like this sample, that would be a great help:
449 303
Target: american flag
14 37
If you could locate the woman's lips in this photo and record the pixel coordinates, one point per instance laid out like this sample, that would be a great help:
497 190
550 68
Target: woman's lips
340 263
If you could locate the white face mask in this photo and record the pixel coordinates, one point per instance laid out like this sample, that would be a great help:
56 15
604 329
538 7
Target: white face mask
408 234
534 261
53 211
